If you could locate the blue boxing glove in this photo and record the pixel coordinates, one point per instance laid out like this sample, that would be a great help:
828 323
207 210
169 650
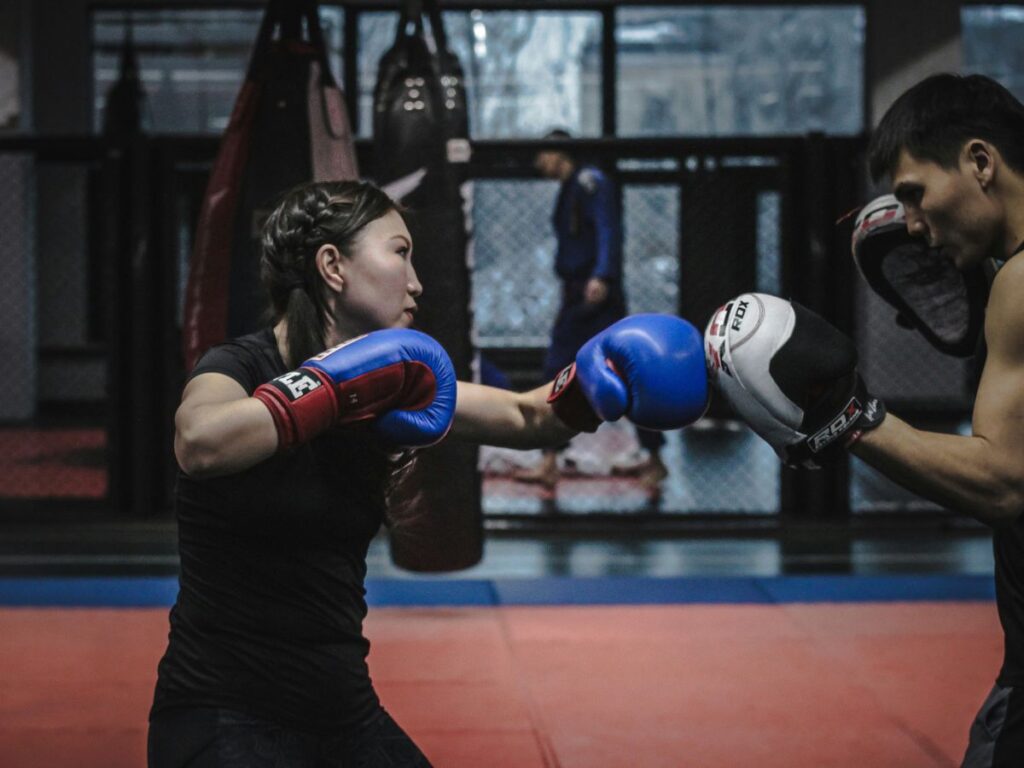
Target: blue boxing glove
401 382
649 368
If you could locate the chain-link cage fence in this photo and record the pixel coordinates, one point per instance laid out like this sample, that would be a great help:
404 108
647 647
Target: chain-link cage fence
52 427
719 466
731 242
515 292
694 236
769 242
900 365
18 283
651 247
907 373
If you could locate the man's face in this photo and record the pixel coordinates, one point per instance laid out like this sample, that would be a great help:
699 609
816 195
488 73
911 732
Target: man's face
549 163
949 208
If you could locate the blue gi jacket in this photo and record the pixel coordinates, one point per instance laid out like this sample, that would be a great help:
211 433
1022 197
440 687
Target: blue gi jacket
588 228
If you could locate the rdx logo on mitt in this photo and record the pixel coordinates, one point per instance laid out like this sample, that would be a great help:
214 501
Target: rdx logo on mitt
739 314
837 427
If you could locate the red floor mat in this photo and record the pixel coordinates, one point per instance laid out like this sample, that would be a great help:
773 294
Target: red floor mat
852 685
53 463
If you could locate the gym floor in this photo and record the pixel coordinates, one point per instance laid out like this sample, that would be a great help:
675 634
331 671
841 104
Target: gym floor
569 650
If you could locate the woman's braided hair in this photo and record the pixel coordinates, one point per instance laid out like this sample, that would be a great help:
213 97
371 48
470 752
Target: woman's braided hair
307 217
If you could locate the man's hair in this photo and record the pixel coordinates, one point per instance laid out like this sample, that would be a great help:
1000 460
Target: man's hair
934 118
560 134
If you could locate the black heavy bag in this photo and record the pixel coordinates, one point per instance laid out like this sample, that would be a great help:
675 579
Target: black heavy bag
289 125
420 119
128 285
421 148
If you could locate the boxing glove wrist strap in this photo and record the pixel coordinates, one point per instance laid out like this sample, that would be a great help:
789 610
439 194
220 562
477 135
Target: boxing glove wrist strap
570 404
307 401
873 414
829 442
302 403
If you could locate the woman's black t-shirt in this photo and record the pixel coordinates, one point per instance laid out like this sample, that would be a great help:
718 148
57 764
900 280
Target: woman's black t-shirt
270 608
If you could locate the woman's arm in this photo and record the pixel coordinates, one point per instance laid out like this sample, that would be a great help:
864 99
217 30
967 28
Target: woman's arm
219 430
510 419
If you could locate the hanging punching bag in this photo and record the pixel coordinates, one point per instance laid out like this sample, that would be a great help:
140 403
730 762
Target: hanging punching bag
421 149
289 125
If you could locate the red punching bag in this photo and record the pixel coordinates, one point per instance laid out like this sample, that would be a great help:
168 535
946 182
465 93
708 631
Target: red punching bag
289 125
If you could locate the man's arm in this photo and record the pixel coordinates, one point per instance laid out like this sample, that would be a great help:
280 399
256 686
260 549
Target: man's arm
602 210
981 475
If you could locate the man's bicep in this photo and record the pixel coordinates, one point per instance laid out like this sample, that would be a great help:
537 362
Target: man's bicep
999 405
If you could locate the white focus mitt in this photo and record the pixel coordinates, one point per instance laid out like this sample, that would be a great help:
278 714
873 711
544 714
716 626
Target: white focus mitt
791 375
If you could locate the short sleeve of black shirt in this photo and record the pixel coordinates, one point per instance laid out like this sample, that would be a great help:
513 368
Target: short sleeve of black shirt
269 613
249 360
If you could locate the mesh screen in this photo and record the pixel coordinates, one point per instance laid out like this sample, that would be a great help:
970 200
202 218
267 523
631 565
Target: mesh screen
688 246
17 289
769 243
714 468
52 445
651 248
899 364
515 291
903 369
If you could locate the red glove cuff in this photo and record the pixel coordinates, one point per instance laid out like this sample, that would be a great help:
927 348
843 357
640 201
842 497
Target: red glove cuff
570 404
302 403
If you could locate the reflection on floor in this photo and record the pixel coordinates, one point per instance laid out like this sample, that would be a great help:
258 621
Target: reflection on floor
53 463
151 549
709 471
564 555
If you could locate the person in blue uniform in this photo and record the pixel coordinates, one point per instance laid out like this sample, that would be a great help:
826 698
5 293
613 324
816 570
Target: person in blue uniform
588 263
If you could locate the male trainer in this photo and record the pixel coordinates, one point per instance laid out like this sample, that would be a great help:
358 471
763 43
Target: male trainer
953 149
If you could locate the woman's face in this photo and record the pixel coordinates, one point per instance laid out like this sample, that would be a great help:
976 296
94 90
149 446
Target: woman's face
379 283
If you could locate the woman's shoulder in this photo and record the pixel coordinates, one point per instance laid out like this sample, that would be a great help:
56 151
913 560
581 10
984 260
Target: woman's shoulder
251 359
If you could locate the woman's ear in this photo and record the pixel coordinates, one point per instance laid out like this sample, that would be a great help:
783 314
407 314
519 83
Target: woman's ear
331 267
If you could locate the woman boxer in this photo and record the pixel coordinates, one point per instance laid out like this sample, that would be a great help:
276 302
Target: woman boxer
285 466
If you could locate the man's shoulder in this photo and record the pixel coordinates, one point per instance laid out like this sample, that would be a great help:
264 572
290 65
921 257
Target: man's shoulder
1008 282
590 178
1004 316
